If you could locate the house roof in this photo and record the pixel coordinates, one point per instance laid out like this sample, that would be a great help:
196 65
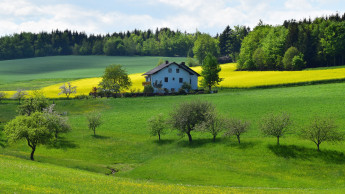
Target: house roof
166 64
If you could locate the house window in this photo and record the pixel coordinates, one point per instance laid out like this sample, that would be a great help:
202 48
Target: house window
180 80
166 79
190 81
169 70
177 70
173 79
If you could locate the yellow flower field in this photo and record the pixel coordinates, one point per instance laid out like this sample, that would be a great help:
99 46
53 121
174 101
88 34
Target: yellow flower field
247 79
231 79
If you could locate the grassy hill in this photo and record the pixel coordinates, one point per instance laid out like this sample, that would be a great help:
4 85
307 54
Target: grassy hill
123 143
35 73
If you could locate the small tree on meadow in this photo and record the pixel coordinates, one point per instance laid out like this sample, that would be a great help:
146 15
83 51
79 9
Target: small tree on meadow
55 122
322 129
94 121
210 72
115 79
236 127
20 94
32 128
157 125
187 115
214 124
68 89
275 125
36 102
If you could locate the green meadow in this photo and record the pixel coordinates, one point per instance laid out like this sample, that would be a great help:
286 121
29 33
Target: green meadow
123 144
35 73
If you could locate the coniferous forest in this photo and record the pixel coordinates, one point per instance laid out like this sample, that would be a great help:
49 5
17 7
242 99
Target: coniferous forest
294 45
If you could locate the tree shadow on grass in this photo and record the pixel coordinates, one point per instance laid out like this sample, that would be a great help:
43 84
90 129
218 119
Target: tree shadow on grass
163 141
242 145
62 143
100 137
298 152
196 143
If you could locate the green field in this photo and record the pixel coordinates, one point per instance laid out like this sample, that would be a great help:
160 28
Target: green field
35 73
123 143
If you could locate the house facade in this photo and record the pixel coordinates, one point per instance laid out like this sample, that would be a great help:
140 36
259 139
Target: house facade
171 76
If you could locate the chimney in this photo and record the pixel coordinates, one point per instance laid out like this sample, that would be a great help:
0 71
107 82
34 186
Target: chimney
166 62
182 63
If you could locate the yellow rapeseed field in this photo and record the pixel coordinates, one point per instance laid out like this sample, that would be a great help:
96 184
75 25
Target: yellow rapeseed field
231 79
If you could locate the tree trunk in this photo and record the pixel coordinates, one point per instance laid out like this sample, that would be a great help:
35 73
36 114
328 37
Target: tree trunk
238 138
94 132
214 138
189 137
318 147
159 137
278 140
209 88
32 153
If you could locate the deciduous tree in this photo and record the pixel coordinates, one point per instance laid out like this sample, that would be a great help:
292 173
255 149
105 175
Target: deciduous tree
187 115
236 127
20 94
115 79
32 128
210 72
322 129
55 122
36 102
157 125
214 124
203 45
275 124
68 89
94 121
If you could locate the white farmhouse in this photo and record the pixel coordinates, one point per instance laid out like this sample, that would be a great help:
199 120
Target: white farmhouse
171 76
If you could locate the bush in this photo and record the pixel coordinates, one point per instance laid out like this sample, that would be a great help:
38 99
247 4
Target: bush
166 90
80 97
298 63
186 87
181 91
288 58
148 89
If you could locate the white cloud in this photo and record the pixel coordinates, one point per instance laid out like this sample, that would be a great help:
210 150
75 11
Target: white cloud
298 5
189 15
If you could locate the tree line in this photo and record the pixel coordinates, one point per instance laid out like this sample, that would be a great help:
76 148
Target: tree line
163 42
295 45
202 116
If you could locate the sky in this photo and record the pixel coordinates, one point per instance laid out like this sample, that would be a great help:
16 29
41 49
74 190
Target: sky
108 16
